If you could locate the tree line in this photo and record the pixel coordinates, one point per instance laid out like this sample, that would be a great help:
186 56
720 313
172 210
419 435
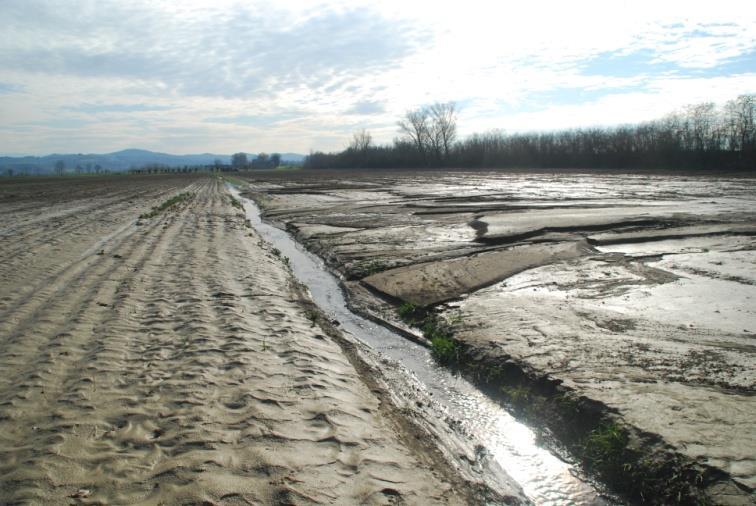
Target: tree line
240 161
700 136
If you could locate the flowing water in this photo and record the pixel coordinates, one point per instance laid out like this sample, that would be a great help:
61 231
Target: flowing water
544 478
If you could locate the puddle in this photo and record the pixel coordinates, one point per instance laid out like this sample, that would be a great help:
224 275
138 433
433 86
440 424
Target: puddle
545 479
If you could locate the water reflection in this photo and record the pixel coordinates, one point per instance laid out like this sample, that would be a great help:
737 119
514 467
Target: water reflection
545 479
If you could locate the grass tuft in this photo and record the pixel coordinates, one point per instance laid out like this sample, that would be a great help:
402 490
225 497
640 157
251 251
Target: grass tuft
445 350
369 268
444 347
235 203
168 204
409 313
604 449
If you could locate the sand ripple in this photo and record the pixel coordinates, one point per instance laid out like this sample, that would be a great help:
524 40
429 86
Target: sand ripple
170 362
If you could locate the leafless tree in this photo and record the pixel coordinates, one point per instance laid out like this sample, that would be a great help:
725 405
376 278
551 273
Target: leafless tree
444 126
701 118
700 136
416 126
741 114
361 141
431 129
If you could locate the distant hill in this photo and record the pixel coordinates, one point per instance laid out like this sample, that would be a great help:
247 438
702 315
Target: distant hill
292 158
116 162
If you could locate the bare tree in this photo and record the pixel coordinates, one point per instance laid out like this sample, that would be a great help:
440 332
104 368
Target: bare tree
741 114
701 117
698 136
432 129
60 167
444 126
361 141
415 125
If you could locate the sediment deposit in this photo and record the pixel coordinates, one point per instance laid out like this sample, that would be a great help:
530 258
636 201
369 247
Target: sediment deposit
633 291
171 359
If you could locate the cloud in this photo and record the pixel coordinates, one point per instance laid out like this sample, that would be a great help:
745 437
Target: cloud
235 53
8 88
290 75
253 120
367 107
120 108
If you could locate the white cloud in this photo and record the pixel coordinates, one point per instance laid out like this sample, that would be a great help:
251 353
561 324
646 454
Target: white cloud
300 74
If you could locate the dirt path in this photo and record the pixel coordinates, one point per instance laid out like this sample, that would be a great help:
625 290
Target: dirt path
172 362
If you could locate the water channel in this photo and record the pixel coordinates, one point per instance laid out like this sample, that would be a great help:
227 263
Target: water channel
544 478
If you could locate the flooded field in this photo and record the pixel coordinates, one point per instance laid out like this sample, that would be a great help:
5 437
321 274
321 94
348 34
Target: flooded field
634 292
487 442
155 350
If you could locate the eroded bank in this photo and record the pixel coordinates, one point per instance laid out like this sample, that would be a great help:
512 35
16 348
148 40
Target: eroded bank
647 314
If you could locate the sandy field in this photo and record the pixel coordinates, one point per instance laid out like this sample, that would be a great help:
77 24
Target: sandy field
636 292
171 360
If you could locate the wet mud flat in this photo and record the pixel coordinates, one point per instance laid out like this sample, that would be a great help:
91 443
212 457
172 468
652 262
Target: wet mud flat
155 350
623 304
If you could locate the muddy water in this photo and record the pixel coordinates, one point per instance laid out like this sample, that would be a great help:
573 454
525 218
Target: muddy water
544 478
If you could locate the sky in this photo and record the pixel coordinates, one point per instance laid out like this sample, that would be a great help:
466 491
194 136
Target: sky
221 76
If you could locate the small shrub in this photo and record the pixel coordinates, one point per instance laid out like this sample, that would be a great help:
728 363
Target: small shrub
445 350
234 181
567 404
516 395
408 312
235 203
171 202
372 267
604 449
311 315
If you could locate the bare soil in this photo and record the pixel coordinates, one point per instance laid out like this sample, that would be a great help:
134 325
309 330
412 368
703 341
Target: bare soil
632 291
172 359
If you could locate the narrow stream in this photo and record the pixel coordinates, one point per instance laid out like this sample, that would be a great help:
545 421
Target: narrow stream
545 479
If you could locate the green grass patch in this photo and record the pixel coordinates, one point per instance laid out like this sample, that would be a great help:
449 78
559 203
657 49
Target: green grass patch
604 450
312 315
627 460
605 447
168 204
445 350
235 202
371 267
235 180
409 313
277 253
517 395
